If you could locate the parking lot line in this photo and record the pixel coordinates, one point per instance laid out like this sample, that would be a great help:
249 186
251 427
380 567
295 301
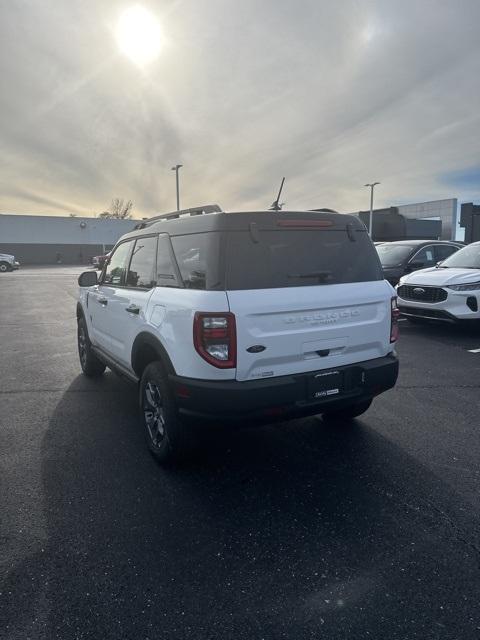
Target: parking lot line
473 350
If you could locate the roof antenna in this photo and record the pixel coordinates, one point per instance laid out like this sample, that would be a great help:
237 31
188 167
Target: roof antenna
276 205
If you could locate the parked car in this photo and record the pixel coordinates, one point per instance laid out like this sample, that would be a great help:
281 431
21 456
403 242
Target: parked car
449 292
241 317
99 261
404 256
8 263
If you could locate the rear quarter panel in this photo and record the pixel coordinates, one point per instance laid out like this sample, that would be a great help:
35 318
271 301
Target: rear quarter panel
170 318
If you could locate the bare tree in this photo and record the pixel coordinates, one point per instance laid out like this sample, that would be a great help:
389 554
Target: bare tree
119 209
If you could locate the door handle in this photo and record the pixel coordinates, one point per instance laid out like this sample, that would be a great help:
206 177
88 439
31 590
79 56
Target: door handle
102 301
133 309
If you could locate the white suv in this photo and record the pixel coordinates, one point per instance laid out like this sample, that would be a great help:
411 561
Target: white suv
249 316
449 292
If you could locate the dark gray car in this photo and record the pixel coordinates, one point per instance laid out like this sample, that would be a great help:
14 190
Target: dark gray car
404 256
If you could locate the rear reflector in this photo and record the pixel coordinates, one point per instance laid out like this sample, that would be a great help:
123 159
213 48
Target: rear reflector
395 314
215 338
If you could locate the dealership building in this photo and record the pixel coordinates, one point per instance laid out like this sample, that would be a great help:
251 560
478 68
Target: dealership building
435 220
55 239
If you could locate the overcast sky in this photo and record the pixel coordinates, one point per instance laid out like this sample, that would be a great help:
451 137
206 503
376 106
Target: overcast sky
329 93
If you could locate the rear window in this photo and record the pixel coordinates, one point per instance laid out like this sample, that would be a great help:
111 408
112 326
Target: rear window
299 257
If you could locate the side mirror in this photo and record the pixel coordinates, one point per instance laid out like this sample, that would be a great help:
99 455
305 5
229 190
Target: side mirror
88 279
439 263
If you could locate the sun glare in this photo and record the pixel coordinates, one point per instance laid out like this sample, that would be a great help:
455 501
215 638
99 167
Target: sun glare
139 35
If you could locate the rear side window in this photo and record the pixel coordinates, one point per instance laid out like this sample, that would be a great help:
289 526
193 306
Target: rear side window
116 268
197 257
141 272
166 272
297 258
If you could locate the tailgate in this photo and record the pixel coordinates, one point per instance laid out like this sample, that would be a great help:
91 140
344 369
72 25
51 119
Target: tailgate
298 329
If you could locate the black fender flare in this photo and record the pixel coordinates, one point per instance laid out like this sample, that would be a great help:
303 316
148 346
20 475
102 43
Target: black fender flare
146 338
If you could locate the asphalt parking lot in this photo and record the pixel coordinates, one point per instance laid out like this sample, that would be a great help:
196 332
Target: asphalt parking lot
298 530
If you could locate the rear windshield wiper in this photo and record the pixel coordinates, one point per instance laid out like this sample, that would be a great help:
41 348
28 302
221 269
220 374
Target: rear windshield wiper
321 275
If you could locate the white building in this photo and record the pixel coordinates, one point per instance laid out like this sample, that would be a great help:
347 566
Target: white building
53 239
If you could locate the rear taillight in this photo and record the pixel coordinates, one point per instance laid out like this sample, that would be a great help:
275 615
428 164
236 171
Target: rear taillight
395 314
215 338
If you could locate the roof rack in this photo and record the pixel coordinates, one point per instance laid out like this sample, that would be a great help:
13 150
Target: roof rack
193 211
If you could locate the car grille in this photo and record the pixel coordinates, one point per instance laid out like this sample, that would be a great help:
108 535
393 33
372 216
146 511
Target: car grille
422 294
429 314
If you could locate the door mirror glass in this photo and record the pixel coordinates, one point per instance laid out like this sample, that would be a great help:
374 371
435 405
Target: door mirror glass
88 279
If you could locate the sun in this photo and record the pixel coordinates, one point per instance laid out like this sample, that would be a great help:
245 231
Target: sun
139 35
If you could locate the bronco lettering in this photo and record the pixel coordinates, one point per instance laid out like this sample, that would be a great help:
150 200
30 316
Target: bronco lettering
323 318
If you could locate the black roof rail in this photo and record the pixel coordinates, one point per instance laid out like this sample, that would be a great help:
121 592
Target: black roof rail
193 211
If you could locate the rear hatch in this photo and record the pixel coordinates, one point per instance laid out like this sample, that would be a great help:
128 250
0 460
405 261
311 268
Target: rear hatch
307 292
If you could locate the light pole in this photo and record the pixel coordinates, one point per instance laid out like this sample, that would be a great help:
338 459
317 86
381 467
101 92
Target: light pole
176 168
370 219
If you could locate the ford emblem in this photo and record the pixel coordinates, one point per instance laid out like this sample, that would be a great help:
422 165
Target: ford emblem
256 348
418 291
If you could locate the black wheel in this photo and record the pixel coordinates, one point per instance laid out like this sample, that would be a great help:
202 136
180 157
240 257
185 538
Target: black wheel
4 267
91 365
348 413
168 438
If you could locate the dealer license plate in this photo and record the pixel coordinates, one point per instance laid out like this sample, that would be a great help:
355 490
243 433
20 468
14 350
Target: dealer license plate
326 385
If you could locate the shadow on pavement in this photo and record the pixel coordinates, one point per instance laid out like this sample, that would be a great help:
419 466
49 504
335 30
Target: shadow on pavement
302 530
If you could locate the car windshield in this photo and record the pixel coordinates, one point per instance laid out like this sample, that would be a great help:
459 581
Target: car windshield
393 254
466 258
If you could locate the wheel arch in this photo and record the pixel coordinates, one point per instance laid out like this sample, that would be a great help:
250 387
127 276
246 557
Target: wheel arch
147 348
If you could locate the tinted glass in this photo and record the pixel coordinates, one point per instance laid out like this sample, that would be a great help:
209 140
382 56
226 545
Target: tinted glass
466 258
442 251
117 267
392 255
425 256
166 273
297 258
198 260
141 272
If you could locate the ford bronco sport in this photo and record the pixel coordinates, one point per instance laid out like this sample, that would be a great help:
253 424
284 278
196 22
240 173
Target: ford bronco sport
248 316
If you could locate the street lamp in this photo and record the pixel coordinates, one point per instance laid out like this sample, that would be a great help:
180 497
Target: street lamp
370 219
176 168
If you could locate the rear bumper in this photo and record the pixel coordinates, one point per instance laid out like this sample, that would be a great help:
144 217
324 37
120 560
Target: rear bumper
283 397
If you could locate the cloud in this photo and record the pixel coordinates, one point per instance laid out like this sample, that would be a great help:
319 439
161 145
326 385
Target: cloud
330 95
463 179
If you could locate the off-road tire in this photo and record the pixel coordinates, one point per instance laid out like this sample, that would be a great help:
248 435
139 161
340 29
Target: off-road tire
91 365
169 439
